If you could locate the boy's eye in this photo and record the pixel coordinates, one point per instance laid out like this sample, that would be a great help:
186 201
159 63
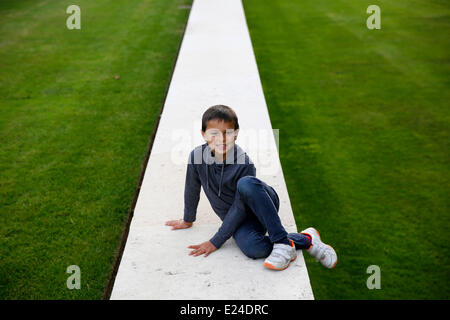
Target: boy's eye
218 134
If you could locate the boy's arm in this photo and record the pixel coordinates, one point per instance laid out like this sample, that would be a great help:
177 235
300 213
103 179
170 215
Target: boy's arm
234 216
191 191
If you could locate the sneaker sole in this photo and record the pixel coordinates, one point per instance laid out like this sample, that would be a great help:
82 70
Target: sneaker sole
335 263
272 267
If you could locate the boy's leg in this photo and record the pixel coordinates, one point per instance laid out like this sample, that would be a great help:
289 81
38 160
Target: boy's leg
264 202
256 195
300 240
251 239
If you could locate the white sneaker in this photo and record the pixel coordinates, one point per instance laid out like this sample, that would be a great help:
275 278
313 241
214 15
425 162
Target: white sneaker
322 252
282 255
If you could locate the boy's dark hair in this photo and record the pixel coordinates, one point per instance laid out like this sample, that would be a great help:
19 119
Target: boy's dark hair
220 112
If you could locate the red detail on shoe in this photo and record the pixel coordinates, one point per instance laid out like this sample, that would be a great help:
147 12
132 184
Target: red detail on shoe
334 265
317 232
310 240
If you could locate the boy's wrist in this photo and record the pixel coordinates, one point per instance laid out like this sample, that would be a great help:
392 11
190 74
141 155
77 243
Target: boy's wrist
189 216
188 220
217 241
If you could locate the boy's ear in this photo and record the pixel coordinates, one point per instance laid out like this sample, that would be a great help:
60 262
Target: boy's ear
204 136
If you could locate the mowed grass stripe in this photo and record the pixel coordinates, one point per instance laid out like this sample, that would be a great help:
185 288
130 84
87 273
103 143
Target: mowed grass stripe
363 118
73 138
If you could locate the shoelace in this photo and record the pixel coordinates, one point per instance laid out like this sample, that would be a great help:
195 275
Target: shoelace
323 252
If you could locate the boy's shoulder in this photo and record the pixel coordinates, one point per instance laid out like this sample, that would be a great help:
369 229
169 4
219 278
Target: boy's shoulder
241 157
196 155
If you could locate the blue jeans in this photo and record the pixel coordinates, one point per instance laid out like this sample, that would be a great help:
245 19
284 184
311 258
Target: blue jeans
261 205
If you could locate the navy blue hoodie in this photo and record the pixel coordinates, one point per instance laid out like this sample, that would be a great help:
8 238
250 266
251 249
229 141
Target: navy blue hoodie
219 181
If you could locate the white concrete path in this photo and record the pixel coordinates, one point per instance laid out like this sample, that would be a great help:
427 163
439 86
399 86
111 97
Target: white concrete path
216 65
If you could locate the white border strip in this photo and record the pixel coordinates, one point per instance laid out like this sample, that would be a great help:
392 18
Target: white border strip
216 65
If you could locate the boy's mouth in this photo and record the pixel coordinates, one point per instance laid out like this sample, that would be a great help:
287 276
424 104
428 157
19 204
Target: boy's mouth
221 147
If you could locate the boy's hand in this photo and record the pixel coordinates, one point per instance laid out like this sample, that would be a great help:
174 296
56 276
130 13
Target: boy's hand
178 224
203 248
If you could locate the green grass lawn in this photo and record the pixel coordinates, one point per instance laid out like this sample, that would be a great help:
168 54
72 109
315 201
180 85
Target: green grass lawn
73 138
364 122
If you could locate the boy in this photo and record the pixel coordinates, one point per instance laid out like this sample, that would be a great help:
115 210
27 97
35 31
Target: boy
247 206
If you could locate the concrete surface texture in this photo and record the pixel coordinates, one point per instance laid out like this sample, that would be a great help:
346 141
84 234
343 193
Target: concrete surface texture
216 65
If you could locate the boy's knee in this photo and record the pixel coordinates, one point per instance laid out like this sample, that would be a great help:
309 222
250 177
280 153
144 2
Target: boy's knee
257 253
255 248
245 184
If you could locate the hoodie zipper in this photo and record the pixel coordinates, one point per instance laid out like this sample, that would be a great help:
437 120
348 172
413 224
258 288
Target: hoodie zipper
221 175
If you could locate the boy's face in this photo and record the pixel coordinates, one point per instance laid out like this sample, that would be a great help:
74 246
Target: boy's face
220 135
